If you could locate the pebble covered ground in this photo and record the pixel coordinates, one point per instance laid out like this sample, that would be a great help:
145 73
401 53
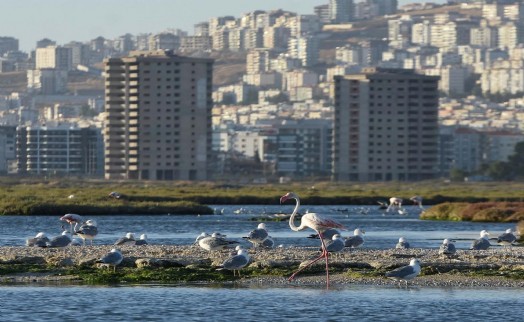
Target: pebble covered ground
353 266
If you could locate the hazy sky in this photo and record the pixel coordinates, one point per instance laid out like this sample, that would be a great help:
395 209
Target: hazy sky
83 20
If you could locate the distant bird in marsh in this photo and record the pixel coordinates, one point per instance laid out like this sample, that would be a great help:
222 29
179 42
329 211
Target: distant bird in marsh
417 200
394 202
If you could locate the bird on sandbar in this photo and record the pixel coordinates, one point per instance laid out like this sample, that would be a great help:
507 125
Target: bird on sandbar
258 235
214 242
507 238
316 222
142 240
402 243
40 240
405 273
113 258
236 262
128 239
447 248
87 230
482 243
72 220
356 240
62 240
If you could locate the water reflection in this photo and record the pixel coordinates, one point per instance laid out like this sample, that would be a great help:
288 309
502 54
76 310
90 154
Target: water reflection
234 303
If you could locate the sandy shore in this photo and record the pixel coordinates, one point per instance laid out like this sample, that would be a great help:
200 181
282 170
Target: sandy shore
492 268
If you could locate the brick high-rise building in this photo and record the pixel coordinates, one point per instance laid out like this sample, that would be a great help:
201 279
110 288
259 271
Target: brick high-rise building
386 126
158 121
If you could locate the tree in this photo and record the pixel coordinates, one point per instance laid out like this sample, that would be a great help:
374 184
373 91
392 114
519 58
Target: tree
457 175
500 170
516 160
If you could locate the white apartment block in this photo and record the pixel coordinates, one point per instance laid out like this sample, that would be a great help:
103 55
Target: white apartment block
504 77
508 35
421 33
305 48
299 78
54 57
47 81
257 61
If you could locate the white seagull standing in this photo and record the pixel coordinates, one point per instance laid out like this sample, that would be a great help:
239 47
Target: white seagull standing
402 243
447 248
113 258
405 273
482 243
356 240
236 262
336 244
87 230
258 235
507 238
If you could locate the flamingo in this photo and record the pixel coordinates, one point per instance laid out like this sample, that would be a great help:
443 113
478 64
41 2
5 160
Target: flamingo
394 202
72 219
316 222
417 200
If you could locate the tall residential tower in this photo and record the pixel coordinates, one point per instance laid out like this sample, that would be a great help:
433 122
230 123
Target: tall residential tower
158 121
386 126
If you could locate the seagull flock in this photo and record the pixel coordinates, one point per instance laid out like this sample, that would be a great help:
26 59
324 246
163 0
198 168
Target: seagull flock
328 231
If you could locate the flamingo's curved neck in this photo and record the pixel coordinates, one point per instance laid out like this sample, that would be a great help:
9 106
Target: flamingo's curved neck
292 218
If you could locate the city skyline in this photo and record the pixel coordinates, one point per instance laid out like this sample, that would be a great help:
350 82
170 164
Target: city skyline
64 21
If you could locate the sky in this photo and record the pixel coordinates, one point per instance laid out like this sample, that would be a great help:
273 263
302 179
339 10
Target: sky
82 20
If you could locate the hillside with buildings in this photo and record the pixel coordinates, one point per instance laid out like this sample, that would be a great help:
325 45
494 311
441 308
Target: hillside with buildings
358 91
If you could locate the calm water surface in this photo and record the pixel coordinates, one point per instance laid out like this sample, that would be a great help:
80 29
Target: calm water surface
382 230
204 303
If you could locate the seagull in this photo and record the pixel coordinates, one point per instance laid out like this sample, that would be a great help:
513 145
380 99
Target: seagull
113 258
447 248
356 240
268 243
336 244
507 238
88 230
128 239
201 236
405 273
236 262
142 240
60 241
482 243
394 202
40 240
214 242
258 235
402 243
72 219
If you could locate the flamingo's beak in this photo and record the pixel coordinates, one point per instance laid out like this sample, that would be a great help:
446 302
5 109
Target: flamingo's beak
283 199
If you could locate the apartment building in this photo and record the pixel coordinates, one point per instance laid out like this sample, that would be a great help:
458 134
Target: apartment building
386 126
55 57
158 117
58 150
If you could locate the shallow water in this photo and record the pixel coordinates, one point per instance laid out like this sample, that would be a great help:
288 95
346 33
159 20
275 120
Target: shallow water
230 303
382 230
